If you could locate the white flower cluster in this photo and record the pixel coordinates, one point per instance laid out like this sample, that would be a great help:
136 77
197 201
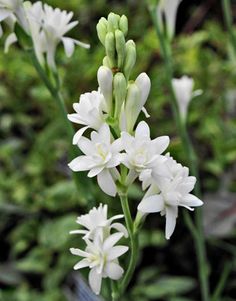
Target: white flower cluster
45 25
101 252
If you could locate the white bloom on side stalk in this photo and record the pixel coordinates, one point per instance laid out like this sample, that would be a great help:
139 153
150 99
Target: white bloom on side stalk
55 25
168 193
89 113
14 7
101 256
141 153
97 218
101 157
168 9
183 89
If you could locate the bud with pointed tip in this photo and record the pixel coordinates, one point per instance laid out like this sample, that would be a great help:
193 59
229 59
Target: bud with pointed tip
132 100
144 84
110 48
130 58
120 47
102 30
120 85
106 62
123 25
113 22
105 78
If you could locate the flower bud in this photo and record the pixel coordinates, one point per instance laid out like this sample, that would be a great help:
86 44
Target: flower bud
131 106
106 62
123 25
113 22
105 79
130 58
120 85
110 48
102 30
120 47
144 84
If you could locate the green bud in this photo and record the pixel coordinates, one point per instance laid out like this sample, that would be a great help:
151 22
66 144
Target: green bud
106 62
120 47
102 30
113 22
130 58
110 48
131 112
119 84
123 25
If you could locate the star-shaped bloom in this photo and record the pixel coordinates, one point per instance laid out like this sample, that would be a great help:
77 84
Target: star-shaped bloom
168 193
101 157
89 113
101 256
97 218
141 153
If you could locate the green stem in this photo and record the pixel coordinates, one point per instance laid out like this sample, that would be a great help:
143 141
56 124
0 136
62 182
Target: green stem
79 178
229 23
221 284
197 231
133 243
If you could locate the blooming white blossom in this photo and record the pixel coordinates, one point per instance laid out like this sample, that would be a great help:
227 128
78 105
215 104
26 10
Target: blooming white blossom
143 154
89 112
101 157
183 89
168 193
97 218
101 256
55 24
168 9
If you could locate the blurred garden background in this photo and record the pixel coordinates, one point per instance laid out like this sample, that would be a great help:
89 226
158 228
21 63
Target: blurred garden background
39 201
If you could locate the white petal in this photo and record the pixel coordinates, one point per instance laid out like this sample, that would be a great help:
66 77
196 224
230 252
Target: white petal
81 163
79 134
78 232
81 44
69 46
86 146
114 271
95 281
154 203
117 146
95 171
82 264
160 144
78 252
116 252
191 200
171 215
4 13
11 39
112 240
106 182
142 130
120 228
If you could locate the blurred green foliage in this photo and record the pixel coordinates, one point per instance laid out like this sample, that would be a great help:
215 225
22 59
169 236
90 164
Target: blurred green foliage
38 199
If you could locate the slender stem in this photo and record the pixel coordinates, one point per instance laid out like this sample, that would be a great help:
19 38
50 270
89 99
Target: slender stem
228 20
197 231
221 284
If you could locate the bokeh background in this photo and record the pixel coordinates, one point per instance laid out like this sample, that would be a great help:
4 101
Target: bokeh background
38 199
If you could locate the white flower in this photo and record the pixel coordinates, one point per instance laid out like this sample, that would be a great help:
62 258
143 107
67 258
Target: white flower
101 256
168 9
101 157
97 218
89 112
168 193
55 25
9 7
183 89
141 153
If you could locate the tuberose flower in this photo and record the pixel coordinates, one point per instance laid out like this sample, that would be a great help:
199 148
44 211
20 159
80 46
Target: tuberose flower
101 256
142 153
101 157
168 193
97 218
89 113
183 88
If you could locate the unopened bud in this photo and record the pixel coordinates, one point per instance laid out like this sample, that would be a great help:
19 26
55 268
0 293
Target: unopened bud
110 48
120 85
105 78
113 22
131 106
120 47
106 62
144 84
130 58
123 25
102 30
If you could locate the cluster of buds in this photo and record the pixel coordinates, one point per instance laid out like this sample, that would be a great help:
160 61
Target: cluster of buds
43 25
120 149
